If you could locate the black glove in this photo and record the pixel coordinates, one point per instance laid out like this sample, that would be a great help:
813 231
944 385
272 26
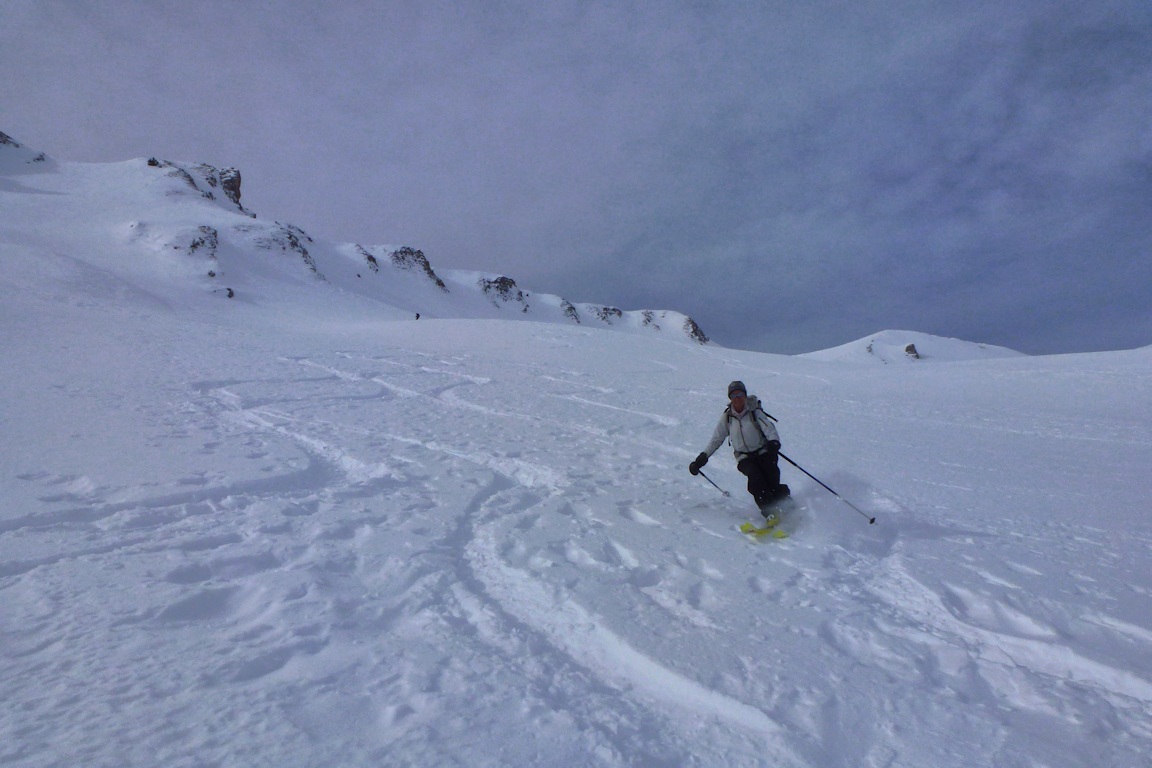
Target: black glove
773 447
701 460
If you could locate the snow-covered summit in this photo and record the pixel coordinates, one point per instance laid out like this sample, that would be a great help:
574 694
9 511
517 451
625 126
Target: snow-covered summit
179 232
909 346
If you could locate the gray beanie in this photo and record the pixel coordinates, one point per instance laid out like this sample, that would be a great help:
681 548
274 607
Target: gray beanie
736 385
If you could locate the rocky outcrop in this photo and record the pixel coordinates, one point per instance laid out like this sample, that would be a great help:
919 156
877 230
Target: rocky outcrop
606 314
208 239
205 179
201 242
411 259
403 258
230 183
570 311
369 259
504 290
694 331
288 238
180 173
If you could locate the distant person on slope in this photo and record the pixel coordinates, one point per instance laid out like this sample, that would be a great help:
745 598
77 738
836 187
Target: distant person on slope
756 445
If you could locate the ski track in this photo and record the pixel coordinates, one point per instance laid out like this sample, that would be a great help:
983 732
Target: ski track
420 560
1006 641
254 594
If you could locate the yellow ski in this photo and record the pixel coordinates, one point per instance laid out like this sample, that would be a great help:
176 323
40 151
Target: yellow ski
769 529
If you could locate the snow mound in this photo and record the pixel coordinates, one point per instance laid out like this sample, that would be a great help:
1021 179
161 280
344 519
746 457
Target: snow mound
908 347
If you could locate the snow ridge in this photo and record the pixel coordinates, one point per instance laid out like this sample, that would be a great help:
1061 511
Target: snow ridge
184 231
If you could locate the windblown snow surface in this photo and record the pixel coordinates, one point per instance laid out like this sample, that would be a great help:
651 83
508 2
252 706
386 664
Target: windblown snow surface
291 535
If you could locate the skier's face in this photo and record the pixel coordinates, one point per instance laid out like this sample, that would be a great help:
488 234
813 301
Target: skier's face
738 401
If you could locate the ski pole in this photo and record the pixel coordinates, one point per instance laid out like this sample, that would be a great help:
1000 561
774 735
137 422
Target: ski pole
871 520
714 484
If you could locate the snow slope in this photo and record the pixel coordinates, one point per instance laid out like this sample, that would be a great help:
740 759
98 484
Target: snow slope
909 346
179 232
287 532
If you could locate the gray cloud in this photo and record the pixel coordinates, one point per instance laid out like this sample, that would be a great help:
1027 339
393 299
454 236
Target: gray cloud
793 177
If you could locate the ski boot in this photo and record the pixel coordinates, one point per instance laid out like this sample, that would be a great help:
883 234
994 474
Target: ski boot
769 509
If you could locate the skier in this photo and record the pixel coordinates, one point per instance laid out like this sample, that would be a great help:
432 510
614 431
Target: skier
756 444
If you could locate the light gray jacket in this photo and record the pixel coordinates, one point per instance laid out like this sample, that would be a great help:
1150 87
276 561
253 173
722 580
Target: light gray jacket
750 430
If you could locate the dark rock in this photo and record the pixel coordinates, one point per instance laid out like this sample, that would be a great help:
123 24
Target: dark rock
409 259
607 313
570 310
209 239
368 258
694 331
504 289
179 173
210 177
230 183
288 238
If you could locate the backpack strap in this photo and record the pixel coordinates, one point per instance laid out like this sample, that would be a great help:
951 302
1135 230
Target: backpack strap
759 428
759 409
729 415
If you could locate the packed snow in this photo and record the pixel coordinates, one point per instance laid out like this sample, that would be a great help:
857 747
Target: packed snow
298 528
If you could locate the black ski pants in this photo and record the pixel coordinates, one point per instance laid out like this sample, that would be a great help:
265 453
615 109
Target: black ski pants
763 473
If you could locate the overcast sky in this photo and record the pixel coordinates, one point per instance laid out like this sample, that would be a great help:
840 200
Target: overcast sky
794 175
